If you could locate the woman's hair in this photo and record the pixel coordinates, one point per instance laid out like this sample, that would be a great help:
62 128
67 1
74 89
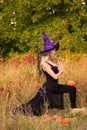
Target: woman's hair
43 59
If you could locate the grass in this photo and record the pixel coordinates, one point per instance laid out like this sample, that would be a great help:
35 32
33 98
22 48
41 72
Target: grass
19 83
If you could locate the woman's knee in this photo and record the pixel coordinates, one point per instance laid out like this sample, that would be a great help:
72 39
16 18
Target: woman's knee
73 89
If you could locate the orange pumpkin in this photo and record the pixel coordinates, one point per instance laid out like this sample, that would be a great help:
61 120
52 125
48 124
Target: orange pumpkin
55 117
58 119
66 120
71 83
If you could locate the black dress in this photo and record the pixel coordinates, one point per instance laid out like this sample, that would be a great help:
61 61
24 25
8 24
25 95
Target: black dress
36 105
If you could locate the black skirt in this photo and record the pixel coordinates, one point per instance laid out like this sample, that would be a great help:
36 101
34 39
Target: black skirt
36 106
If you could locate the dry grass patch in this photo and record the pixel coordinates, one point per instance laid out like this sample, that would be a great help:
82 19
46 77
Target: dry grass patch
19 84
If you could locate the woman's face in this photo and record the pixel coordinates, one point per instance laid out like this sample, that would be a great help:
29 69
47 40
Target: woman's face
52 53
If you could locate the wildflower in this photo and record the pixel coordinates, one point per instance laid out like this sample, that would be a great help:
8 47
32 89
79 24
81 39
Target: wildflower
30 58
1 89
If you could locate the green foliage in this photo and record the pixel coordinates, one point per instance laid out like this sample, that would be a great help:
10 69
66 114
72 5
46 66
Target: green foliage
22 22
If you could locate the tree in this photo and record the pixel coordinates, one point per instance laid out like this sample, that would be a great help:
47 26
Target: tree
22 22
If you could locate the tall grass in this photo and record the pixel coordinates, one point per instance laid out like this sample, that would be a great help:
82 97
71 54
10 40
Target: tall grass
19 82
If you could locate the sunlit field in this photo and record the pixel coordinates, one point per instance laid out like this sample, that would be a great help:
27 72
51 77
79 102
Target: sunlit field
20 81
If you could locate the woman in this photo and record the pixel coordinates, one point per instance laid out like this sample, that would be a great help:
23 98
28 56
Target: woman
52 72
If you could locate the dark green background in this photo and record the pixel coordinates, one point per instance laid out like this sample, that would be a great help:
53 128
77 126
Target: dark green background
22 23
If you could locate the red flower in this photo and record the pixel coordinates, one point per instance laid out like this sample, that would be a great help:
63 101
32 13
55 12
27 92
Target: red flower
26 60
77 86
30 58
1 89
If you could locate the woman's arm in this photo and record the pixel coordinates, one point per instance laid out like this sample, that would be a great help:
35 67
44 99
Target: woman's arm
48 69
60 67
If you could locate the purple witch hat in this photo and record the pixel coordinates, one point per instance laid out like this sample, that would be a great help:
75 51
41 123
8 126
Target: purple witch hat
48 45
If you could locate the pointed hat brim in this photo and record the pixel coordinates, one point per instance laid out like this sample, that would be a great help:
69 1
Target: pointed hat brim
56 47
